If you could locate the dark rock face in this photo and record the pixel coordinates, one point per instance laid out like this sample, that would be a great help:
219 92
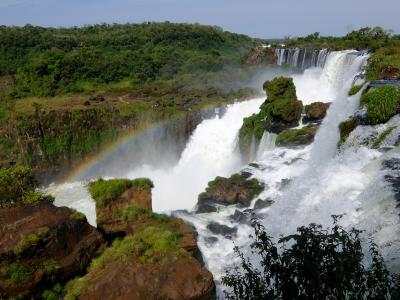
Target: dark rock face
240 217
234 190
296 137
260 204
220 229
394 177
41 243
205 207
390 73
261 55
315 112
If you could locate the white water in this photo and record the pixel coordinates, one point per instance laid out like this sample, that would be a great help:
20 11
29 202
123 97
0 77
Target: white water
322 181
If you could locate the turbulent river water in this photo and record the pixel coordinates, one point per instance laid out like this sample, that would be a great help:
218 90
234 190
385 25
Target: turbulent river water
307 184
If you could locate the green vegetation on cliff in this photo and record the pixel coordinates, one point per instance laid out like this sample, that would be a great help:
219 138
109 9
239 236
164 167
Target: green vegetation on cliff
67 92
106 191
381 60
17 186
382 104
295 137
279 111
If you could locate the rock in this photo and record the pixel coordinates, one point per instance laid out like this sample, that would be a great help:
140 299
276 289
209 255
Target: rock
261 55
393 178
240 217
284 183
315 112
211 240
151 266
260 204
246 173
41 244
281 110
86 103
205 207
220 229
390 73
296 137
234 190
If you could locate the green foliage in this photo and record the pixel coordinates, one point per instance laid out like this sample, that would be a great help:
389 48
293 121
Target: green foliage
31 239
345 128
362 39
302 136
17 186
16 272
77 215
55 293
50 61
382 137
280 88
384 57
355 89
106 191
314 263
382 104
75 288
151 245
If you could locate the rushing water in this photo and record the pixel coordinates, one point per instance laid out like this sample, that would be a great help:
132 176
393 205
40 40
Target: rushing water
307 184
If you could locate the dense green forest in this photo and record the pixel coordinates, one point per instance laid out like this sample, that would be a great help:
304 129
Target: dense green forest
366 38
50 61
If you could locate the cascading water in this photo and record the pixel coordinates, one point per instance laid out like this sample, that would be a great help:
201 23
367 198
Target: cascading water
301 58
307 184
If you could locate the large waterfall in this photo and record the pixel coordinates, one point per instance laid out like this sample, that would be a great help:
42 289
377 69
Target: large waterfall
307 184
301 58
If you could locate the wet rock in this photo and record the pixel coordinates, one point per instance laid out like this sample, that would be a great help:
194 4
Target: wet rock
393 178
234 190
390 73
285 183
240 217
86 103
210 240
315 112
260 204
221 229
205 207
41 244
246 173
296 137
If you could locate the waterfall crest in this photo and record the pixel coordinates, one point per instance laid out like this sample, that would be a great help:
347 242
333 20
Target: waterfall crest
301 58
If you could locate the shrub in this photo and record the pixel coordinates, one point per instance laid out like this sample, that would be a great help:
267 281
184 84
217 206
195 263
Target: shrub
17 272
280 88
319 264
106 191
387 56
55 293
31 239
382 104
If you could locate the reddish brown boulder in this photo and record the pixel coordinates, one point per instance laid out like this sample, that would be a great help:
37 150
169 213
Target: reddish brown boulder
390 73
176 279
261 55
43 242
316 111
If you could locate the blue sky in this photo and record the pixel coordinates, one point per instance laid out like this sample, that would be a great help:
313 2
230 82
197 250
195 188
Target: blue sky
261 18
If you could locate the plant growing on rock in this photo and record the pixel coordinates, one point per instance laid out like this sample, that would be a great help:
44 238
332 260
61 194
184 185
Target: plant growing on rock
314 263
382 104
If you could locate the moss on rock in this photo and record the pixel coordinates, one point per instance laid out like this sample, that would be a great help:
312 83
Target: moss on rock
296 137
345 128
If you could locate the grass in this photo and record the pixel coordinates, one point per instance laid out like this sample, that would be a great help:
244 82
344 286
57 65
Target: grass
355 89
382 137
106 191
75 288
31 239
16 272
382 104
77 215
386 56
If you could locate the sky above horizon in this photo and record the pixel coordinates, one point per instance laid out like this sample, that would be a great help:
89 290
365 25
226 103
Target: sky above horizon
258 18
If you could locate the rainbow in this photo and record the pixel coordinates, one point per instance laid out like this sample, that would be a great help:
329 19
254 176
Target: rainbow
82 169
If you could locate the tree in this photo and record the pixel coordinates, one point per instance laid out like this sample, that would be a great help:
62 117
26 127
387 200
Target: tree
318 264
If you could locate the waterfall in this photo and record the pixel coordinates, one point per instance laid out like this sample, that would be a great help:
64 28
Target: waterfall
267 143
301 58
